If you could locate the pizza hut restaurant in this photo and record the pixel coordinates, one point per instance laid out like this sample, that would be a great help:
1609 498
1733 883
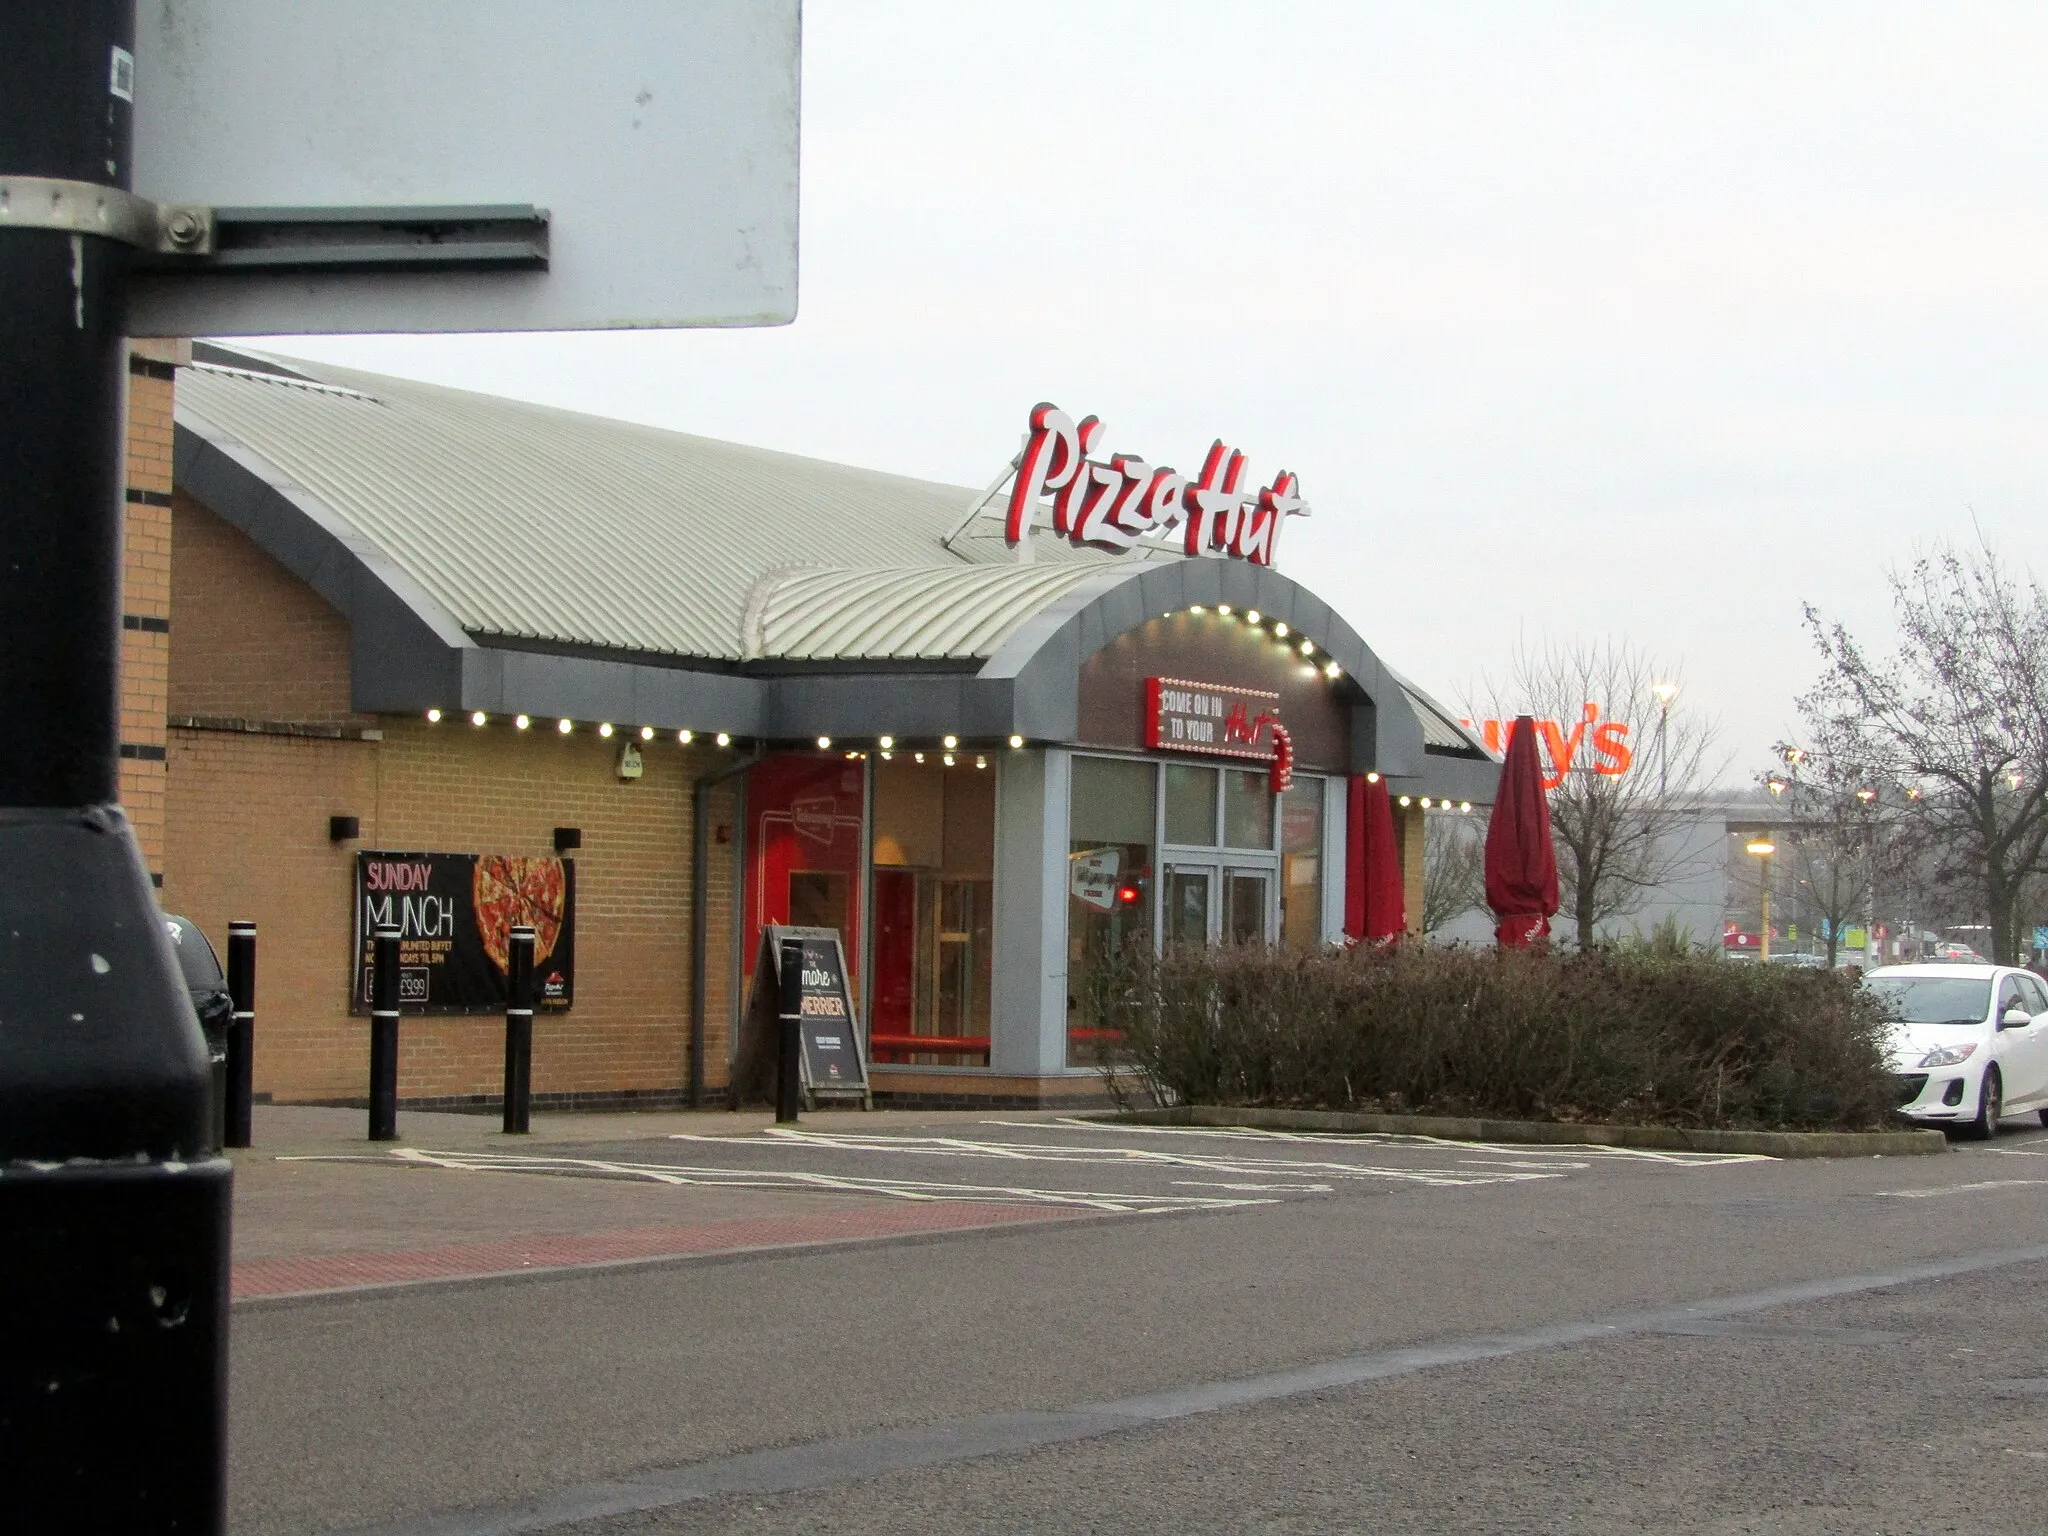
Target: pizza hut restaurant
450 660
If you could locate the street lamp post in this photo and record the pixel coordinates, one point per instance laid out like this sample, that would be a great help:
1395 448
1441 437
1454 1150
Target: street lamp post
1665 693
1763 848
1873 954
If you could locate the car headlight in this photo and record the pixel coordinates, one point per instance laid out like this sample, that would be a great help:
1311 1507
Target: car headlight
1949 1055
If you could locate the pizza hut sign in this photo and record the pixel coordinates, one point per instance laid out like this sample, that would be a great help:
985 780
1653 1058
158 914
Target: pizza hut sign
1127 501
454 913
1217 720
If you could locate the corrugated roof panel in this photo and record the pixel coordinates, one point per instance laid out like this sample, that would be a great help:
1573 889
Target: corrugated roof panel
1440 728
840 614
530 522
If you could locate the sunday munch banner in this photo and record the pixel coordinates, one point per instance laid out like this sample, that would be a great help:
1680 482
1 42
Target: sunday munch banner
454 913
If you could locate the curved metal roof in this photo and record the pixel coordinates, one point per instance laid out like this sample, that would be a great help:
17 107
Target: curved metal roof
838 614
526 522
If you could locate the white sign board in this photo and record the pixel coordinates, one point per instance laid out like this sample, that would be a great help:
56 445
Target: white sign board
1094 877
659 135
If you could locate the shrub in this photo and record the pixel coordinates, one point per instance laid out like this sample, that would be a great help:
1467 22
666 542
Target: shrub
1649 1035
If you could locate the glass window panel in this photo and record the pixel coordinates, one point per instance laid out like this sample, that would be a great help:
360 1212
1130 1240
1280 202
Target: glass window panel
1109 888
1301 863
1191 805
1247 809
1112 801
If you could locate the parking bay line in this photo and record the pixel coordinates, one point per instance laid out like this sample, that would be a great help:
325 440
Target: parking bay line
1958 1189
1415 1140
854 1458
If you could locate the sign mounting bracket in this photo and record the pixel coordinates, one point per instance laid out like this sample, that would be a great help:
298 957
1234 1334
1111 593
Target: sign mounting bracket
197 239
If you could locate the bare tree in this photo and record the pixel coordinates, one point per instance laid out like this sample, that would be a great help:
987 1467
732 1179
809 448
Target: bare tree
1831 820
1453 868
1952 726
1625 775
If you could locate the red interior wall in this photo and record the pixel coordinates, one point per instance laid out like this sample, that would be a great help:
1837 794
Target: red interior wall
804 812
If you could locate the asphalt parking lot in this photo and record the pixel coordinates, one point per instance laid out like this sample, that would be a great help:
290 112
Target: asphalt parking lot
1166 1328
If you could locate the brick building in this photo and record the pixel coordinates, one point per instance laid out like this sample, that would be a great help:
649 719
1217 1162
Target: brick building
732 688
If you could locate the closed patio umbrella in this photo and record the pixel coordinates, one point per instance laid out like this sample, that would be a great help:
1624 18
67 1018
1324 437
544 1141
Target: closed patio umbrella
1521 865
1373 907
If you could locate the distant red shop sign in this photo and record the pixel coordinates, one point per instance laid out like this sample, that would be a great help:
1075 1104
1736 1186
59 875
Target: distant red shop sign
1217 720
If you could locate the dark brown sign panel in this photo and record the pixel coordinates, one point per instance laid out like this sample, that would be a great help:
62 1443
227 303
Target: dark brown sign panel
454 913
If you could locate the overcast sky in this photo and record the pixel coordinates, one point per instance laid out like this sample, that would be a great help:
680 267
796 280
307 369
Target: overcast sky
1650 321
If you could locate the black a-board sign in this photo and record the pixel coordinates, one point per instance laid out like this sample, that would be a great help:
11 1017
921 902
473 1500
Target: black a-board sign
833 1060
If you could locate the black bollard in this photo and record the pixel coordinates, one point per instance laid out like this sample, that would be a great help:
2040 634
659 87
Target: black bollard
384 1035
789 1044
519 1031
241 1032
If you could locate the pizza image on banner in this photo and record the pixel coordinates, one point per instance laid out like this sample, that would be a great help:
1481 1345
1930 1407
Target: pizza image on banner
455 913
507 891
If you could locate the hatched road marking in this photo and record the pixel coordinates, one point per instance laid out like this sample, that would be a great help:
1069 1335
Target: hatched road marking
1124 1203
1471 1171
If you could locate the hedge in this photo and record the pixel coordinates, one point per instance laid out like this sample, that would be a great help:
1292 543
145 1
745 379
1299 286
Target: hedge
1619 1037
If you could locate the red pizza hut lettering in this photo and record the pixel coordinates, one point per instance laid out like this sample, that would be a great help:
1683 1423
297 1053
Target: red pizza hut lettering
1114 505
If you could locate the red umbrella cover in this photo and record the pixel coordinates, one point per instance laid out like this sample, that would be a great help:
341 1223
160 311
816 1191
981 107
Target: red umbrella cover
1373 905
1521 865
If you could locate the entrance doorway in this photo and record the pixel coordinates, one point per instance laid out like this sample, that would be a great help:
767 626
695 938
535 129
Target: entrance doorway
1212 903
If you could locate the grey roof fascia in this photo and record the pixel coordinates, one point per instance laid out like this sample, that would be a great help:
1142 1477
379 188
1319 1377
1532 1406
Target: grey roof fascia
910 706
1450 778
500 680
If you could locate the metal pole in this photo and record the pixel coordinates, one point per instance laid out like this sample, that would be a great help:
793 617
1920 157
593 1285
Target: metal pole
519 1031
241 1032
384 1036
1767 909
789 1043
1663 761
114 1208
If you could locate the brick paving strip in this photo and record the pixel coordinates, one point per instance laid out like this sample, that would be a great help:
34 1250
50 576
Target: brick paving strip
318 1274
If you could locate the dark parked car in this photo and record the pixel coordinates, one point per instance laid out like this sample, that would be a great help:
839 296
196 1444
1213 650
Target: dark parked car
210 1000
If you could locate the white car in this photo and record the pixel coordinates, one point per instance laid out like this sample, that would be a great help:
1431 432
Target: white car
1970 1043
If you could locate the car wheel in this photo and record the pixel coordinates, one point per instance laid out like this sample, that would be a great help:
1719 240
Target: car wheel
1990 1101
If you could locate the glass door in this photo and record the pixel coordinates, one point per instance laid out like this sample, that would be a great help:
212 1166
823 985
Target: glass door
1190 896
1247 899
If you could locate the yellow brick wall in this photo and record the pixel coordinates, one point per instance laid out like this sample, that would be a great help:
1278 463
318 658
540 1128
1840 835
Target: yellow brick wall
146 592
248 839
1408 839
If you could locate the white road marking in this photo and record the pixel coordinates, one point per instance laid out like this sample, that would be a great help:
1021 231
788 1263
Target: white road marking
1393 1139
1126 1157
1958 1189
1125 1203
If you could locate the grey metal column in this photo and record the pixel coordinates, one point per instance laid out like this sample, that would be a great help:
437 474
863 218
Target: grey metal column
1030 1028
